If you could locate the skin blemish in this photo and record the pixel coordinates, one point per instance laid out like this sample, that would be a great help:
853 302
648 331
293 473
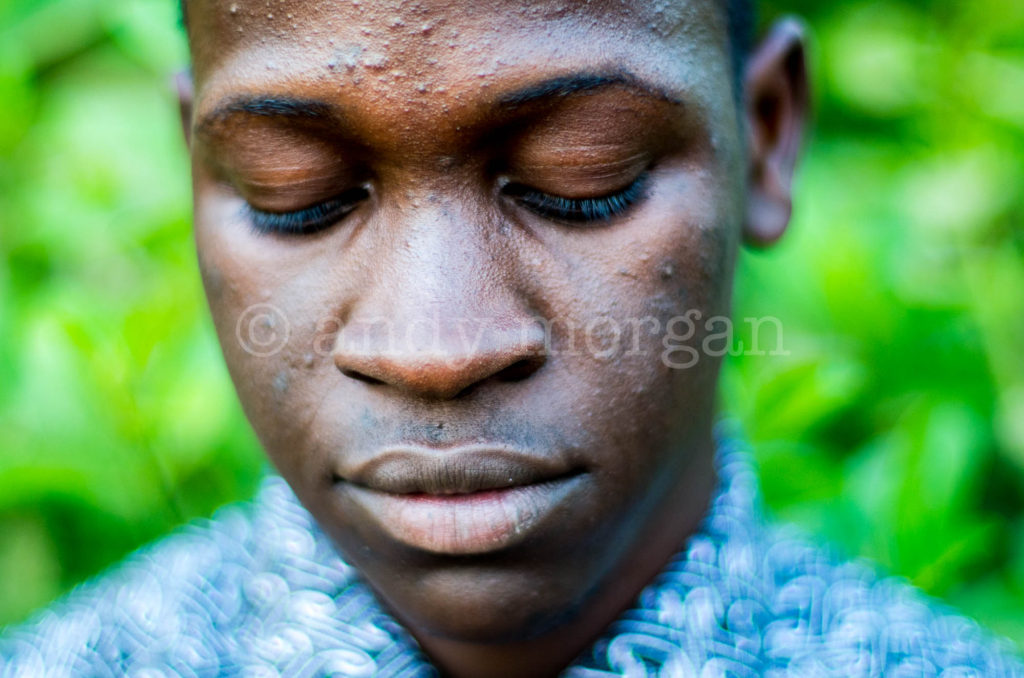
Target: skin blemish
373 60
346 56
281 382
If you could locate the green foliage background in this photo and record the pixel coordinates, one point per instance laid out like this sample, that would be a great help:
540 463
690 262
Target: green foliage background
890 421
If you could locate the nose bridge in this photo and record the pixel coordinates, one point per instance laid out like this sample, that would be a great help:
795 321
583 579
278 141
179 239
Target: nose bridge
442 312
439 258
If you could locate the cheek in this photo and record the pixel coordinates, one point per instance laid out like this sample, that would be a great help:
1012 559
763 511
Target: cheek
650 286
270 324
673 261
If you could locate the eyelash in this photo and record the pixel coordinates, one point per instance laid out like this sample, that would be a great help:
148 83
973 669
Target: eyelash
577 210
308 220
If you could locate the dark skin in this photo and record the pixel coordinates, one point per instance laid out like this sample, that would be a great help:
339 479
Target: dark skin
491 184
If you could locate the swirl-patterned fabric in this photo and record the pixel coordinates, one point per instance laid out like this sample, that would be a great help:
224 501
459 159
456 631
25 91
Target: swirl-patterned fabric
259 591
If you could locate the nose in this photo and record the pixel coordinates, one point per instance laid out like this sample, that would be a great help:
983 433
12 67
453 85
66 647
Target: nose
442 312
439 358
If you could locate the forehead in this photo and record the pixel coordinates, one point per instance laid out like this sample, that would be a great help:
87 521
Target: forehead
449 53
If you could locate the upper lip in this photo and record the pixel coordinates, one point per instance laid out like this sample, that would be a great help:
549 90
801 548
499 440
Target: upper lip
418 470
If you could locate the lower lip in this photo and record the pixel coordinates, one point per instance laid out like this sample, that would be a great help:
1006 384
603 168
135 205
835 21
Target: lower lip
464 524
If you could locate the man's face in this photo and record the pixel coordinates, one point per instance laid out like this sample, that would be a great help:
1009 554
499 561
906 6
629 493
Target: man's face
455 255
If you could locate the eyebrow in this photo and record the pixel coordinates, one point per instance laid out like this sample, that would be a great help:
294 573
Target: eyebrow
270 107
575 83
553 88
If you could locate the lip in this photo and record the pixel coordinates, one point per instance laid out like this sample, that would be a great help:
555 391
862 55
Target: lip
461 501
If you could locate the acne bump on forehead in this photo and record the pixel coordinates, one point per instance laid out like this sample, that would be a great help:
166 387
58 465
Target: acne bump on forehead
409 58
740 15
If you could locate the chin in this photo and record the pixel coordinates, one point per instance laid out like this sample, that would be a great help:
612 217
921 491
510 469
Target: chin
502 597
486 603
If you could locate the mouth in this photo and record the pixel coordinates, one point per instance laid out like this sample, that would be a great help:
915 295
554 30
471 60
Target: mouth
461 501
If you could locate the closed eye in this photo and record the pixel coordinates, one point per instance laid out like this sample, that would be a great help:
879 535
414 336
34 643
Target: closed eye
577 210
308 220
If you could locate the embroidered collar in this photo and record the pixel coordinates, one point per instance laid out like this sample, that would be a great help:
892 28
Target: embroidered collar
260 591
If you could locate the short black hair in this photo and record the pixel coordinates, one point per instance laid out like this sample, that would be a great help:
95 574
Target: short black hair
742 25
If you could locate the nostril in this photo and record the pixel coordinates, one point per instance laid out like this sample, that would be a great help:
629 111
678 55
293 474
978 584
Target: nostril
447 371
520 370
359 376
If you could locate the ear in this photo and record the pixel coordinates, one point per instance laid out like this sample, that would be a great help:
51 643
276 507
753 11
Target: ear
184 88
777 105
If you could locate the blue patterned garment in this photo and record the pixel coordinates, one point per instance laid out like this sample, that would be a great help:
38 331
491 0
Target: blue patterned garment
259 591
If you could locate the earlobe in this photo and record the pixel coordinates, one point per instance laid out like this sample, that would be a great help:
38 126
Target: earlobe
184 89
777 103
